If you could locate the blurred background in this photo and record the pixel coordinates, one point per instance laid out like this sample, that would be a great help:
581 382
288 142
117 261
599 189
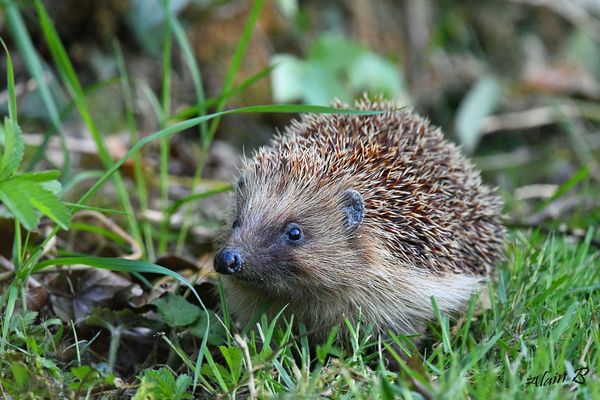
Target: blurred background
516 83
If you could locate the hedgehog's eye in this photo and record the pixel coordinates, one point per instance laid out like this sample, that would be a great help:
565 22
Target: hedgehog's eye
236 224
294 232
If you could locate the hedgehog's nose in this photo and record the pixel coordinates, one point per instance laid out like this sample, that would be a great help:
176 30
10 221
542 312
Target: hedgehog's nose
228 261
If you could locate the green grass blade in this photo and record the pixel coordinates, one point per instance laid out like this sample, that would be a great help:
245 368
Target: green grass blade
69 77
32 60
103 210
197 196
80 177
192 65
193 111
200 166
444 326
197 80
234 66
13 293
140 180
216 372
164 143
481 351
550 291
152 99
224 309
67 109
117 264
10 79
14 147
569 184
17 254
171 130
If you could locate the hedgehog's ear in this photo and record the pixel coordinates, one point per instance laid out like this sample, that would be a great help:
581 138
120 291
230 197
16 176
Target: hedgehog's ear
353 208
240 184
239 187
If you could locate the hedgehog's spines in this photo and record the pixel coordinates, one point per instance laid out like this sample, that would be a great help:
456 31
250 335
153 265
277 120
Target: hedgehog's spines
430 228
401 163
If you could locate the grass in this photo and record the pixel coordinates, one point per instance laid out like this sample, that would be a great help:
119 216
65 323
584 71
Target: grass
71 82
34 65
543 317
542 320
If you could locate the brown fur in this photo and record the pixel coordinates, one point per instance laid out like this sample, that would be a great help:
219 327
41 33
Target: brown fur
430 227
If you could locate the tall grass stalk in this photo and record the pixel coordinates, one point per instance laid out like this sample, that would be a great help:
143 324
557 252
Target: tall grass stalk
69 78
140 179
33 62
163 235
234 66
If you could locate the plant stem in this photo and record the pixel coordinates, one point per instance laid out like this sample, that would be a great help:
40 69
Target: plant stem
164 142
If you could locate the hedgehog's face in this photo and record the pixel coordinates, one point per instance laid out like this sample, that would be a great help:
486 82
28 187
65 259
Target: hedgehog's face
283 240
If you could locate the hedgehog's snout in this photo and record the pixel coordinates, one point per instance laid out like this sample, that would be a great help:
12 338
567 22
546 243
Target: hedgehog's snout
228 261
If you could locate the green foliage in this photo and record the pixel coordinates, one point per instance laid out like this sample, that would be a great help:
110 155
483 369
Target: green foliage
32 377
13 148
27 195
23 331
334 67
233 357
32 373
85 378
35 67
25 377
161 385
217 333
21 376
176 311
72 83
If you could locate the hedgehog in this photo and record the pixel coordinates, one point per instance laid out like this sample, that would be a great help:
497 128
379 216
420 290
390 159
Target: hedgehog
347 216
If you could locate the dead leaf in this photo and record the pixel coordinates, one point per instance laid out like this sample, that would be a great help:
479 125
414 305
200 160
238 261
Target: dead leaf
75 293
37 298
